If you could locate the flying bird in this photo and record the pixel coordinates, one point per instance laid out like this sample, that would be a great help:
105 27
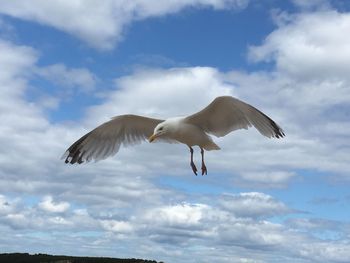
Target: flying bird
222 116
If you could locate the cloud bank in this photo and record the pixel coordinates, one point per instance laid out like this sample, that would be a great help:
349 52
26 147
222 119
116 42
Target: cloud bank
102 25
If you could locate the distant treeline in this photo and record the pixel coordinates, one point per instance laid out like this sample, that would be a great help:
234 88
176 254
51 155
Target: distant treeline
43 258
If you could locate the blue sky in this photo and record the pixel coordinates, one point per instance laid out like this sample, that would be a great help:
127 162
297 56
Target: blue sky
68 66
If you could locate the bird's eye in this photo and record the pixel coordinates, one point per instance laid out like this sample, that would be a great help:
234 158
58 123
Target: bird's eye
160 129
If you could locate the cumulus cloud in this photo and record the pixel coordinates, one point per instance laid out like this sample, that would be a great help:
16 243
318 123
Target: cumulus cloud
23 123
15 61
54 207
173 92
77 78
309 46
310 78
254 205
116 226
102 25
182 215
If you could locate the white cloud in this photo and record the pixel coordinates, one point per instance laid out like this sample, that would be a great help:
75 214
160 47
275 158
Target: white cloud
321 225
25 133
323 251
78 78
182 215
117 226
309 46
208 226
173 92
54 207
173 230
310 84
14 62
253 204
102 24
276 178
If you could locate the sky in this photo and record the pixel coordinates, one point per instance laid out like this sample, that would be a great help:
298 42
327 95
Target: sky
67 66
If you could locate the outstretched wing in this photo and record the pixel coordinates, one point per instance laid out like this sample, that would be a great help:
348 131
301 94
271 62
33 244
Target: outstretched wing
106 139
226 114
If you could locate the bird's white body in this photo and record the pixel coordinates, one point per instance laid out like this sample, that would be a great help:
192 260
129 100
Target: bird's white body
178 129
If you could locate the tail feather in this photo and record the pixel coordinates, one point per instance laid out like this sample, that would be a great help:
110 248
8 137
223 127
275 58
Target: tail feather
211 146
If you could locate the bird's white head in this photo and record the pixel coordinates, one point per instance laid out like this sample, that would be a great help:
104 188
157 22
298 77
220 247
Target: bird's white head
167 129
160 130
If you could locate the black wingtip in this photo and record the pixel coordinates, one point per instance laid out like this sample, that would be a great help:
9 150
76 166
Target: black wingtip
74 157
74 154
277 130
279 133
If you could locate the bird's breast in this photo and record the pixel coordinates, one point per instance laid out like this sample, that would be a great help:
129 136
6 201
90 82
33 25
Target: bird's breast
190 134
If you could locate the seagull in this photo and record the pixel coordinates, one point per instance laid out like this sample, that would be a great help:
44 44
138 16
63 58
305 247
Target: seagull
222 116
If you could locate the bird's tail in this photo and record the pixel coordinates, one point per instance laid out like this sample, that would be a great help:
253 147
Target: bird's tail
211 146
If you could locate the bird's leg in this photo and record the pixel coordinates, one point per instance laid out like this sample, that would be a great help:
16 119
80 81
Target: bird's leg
194 168
204 168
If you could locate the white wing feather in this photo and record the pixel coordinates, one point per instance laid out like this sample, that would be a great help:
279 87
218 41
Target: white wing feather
226 114
106 139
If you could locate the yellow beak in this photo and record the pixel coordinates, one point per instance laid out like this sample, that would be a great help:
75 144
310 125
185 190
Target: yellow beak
152 137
